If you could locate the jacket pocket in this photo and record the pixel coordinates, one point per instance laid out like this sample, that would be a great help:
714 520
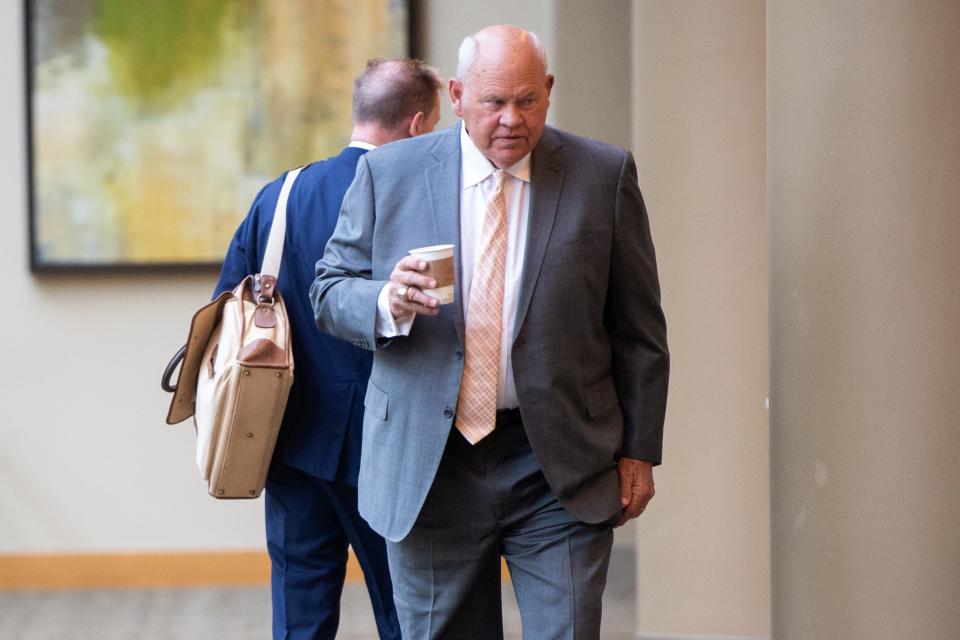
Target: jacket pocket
376 401
600 397
583 249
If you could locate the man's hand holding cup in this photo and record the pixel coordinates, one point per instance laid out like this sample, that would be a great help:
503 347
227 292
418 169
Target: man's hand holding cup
407 283
422 281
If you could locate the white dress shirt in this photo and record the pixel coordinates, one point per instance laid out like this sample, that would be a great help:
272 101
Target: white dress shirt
360 144
476 180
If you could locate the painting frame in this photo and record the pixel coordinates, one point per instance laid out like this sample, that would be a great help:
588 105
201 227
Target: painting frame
39 261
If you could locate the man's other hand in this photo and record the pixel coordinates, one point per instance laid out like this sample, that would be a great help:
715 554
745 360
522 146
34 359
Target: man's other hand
636 487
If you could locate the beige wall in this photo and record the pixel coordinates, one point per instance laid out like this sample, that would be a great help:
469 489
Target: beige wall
86 463
698 109
593 67
864 187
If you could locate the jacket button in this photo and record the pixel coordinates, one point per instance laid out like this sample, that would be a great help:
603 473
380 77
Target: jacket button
459 354
448 413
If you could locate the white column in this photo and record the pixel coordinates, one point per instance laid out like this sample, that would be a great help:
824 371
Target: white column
864 196
698 113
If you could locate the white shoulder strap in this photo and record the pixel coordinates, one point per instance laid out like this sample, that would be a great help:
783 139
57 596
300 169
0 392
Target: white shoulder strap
278 229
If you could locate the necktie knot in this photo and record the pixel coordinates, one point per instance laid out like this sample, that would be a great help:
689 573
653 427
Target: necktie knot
499 176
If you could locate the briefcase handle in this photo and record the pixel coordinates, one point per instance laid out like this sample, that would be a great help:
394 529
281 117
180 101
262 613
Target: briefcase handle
171 367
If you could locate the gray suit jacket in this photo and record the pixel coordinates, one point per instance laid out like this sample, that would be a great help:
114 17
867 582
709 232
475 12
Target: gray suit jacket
589 352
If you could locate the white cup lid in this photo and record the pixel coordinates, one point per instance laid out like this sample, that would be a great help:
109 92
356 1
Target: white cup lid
434 249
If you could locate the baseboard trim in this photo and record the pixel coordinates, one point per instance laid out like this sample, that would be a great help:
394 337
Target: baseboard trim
93 571
651 635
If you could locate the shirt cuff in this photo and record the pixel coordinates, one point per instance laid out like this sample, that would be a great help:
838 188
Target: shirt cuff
387 325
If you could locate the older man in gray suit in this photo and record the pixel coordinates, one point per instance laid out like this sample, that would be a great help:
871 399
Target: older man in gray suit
524 419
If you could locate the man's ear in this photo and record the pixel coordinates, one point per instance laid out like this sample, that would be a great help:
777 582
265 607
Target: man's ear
415 124
456 95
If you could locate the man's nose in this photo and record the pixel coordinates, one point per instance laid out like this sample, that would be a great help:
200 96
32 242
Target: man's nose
510 116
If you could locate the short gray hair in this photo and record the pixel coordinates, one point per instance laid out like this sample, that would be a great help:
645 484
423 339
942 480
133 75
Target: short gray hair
467 54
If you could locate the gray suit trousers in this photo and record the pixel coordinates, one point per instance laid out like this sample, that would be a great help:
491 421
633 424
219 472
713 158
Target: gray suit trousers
488 500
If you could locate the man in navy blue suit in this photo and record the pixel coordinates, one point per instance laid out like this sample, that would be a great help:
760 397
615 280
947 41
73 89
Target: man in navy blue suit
311 494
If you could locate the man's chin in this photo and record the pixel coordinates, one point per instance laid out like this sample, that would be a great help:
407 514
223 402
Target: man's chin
507 155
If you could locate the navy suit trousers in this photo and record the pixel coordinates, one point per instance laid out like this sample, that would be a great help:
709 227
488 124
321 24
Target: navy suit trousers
310 524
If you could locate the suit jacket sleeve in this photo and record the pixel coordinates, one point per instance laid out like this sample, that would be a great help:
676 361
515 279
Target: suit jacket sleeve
344 294
635 323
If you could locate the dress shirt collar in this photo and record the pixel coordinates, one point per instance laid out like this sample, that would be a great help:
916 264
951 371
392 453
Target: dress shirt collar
360 144
476 167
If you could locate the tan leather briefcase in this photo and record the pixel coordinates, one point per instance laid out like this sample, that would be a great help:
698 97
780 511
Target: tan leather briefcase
235 374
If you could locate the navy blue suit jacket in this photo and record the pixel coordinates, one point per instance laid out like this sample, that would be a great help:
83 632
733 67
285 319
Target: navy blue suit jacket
322 426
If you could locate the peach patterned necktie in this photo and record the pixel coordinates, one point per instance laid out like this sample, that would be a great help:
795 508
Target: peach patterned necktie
477 404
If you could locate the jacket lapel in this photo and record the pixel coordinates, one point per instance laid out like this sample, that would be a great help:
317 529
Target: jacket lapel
547 171
443 189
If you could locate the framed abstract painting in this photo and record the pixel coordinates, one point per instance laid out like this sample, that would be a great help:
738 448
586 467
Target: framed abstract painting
152 124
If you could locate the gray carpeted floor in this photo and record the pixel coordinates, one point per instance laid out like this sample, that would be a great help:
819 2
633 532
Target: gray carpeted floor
235 613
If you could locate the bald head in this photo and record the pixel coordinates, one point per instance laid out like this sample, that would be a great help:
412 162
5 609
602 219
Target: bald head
498 40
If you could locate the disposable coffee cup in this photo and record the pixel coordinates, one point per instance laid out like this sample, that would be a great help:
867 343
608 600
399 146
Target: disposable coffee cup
439 259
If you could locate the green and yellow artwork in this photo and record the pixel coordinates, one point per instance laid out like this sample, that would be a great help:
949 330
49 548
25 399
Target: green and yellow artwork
153 123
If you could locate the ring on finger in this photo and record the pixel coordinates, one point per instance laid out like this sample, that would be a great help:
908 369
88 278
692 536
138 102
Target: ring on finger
401 293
